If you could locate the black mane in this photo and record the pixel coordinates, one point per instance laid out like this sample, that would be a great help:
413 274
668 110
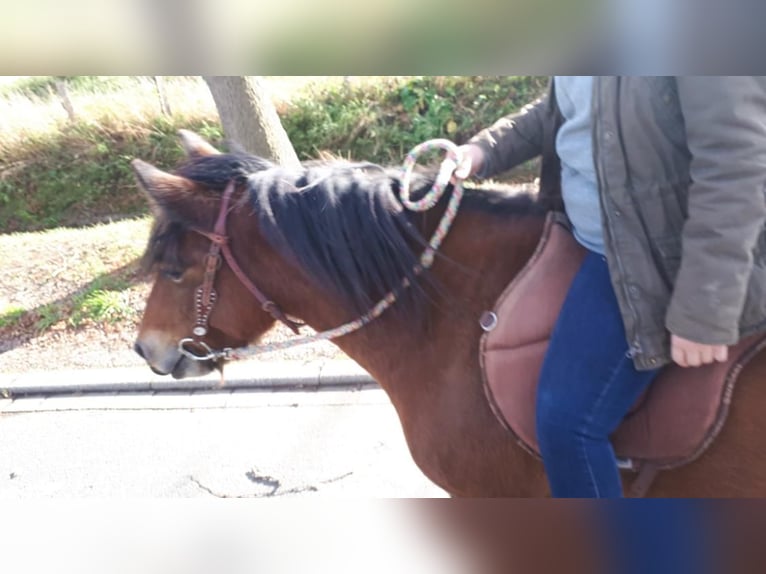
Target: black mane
341 222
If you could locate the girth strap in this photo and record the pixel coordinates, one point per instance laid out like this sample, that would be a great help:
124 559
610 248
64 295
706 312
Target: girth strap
647 472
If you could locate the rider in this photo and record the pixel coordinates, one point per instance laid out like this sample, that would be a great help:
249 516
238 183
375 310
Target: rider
663 180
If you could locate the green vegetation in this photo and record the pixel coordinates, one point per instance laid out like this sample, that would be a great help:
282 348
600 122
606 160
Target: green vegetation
381 123
57 172
48 315
105 299
10 315
44 86
72 279
82 173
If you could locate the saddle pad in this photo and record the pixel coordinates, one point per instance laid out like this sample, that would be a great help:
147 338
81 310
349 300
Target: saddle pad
672 424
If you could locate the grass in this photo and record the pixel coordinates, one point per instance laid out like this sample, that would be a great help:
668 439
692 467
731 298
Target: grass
11 315
91 305
105 299
44 86
55 172
48 315
72 278
101 305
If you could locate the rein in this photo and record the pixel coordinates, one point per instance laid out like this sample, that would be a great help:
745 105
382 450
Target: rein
205 295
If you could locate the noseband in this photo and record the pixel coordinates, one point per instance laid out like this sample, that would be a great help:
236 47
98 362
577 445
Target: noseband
205 295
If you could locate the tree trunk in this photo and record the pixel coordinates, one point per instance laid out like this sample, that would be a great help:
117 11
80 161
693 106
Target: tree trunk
63 94
159 84
250 119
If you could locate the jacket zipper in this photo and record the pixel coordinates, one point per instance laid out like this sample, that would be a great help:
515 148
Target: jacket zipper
634 346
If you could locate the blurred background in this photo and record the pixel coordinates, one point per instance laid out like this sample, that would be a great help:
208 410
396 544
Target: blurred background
429 36
407 537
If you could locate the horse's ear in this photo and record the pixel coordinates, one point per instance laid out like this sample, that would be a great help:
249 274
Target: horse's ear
195 146
165 190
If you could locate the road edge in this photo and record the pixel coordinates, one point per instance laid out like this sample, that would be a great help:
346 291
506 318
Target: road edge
242 375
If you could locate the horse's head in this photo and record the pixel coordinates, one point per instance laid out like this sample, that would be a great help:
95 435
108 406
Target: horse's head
327 241
186 207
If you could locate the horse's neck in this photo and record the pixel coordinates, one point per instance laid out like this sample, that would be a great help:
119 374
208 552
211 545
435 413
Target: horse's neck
432 373
480 256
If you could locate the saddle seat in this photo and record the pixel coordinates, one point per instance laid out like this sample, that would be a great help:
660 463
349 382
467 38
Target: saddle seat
672 424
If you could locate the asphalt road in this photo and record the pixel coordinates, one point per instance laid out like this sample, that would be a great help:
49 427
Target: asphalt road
240 443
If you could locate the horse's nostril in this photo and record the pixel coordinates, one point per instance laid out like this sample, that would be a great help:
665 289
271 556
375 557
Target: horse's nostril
137 348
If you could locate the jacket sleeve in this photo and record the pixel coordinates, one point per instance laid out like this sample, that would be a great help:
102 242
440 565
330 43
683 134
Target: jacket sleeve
726 134
513 139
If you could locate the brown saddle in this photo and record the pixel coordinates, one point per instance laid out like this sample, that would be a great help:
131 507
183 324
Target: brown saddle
671 425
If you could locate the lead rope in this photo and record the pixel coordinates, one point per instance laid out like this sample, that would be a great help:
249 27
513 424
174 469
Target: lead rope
448 167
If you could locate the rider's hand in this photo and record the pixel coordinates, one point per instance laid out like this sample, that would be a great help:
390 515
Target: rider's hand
472 160
690 354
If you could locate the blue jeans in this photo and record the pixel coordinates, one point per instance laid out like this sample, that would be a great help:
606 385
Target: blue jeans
587 385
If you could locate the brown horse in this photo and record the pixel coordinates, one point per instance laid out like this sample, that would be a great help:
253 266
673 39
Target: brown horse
325 242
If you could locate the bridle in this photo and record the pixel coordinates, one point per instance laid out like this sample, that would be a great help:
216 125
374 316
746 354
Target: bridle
205 295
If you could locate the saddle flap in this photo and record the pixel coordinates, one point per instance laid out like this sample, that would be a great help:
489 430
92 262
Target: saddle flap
544 279
512 353
683 410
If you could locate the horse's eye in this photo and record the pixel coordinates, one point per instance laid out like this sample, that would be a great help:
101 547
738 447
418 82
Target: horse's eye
175 275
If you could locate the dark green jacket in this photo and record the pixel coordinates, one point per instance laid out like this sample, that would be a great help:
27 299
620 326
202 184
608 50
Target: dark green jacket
681 165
